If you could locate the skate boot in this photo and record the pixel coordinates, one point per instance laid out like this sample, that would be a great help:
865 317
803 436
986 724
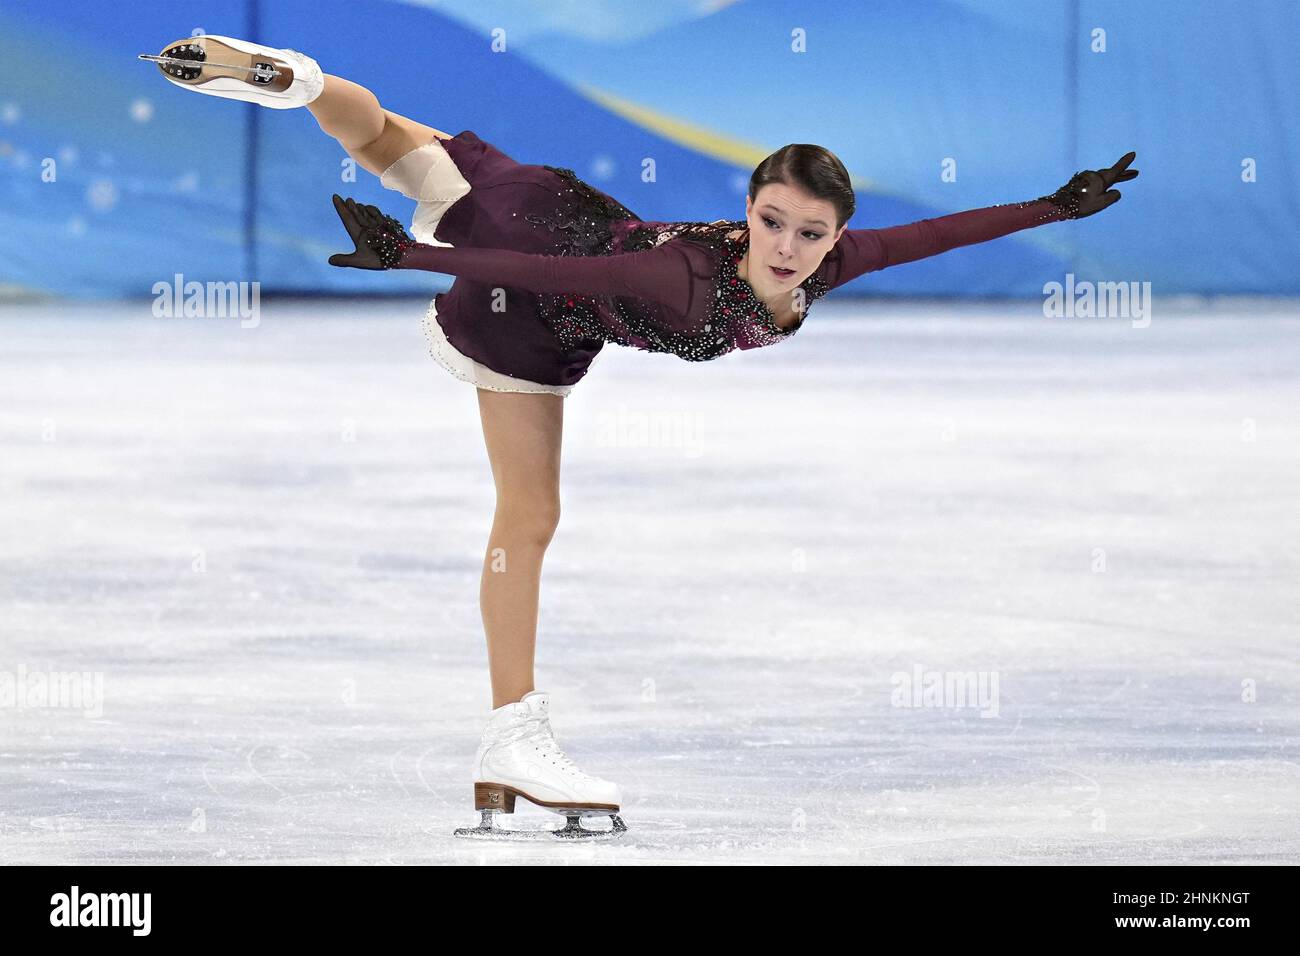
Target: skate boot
240 70
518 757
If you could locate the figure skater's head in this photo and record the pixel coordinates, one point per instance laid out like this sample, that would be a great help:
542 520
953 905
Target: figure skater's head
800 200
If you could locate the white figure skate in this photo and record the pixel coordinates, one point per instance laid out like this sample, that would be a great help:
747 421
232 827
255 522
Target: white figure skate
240 70
518 757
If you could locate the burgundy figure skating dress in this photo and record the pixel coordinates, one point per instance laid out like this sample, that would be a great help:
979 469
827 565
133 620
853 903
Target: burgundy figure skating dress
550 268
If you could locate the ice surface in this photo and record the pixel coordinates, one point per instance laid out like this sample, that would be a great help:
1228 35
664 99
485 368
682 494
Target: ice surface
268 542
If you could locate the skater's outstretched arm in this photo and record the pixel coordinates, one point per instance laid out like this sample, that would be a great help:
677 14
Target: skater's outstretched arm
868 250
662 274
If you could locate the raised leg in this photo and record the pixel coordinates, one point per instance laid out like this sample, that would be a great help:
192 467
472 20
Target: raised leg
523 434
373 136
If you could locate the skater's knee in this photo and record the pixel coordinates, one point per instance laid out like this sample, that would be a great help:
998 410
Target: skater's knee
397 137
532 518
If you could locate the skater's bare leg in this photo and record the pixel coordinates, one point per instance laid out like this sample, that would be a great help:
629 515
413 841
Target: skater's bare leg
523 433
373 136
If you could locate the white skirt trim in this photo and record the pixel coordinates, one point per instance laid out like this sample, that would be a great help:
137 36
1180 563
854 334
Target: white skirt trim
467 370
428 175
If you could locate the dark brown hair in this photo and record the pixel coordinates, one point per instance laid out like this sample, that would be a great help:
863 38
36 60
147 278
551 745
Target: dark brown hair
815 170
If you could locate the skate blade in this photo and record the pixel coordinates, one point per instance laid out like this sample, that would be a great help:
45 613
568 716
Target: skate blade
194 64
572 831
191 64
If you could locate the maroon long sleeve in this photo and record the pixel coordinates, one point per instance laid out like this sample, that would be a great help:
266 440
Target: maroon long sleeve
869 250
661 275
664 274
684 296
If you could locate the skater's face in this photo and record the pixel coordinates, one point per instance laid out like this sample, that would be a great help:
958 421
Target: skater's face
788 229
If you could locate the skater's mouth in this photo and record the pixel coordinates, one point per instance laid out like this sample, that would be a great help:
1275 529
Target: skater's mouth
781 273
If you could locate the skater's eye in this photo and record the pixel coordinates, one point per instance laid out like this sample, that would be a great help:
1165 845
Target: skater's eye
814 236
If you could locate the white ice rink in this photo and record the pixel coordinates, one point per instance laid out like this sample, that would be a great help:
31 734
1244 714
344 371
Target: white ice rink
267 542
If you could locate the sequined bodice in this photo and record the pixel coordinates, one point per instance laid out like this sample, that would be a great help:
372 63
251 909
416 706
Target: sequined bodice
745 298
729 314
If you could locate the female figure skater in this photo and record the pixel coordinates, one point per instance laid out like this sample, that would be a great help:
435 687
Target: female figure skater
550 269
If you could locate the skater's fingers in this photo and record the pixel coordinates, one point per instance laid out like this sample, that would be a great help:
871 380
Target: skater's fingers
356 211
1127 175
348 214
354 261
1112 173
1115 173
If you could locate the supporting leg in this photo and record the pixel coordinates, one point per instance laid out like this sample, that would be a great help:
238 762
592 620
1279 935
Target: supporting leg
523 435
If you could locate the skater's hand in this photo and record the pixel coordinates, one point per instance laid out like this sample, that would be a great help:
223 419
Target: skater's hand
1089 191
380 240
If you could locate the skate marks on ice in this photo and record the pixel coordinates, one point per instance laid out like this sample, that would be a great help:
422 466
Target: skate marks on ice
1122 783
269 541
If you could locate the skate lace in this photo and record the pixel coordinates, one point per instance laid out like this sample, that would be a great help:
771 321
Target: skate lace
543 739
